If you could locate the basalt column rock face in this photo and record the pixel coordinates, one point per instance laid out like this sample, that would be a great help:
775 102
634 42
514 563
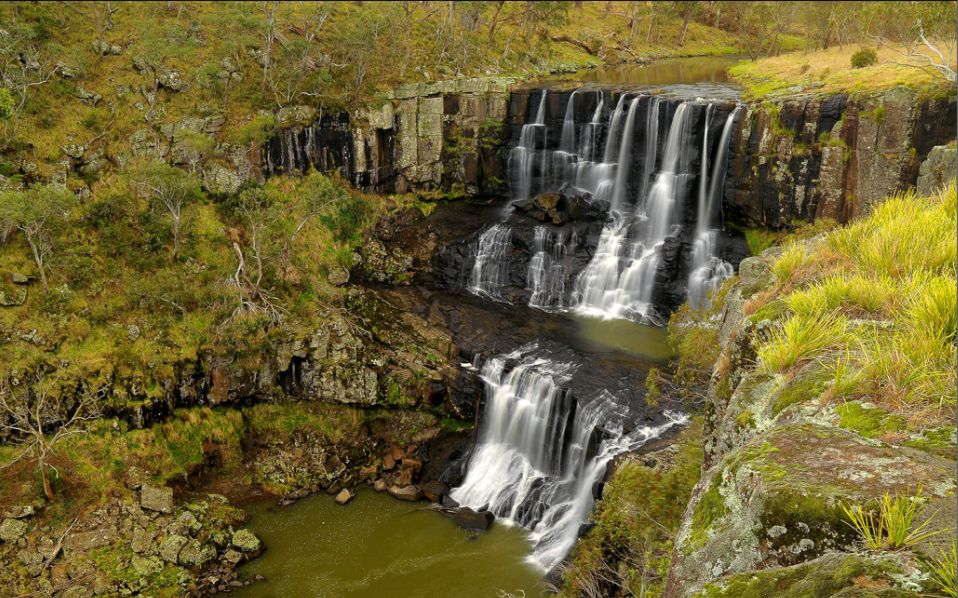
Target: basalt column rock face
806 157
439 137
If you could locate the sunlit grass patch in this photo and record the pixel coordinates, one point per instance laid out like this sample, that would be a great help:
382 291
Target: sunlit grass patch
875 303
802 338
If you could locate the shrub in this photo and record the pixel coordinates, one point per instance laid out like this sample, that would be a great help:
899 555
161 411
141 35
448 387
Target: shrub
864 57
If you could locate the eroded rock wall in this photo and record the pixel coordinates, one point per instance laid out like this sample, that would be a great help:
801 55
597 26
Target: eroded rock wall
438 137
802 158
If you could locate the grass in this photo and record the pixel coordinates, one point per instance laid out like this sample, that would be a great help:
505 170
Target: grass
892 527
875 303
831 71
801 339
943 571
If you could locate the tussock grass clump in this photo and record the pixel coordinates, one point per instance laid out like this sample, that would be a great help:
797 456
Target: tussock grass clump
943 571
875 303
891 527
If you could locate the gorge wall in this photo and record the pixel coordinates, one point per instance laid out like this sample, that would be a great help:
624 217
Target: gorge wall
816 156
791 160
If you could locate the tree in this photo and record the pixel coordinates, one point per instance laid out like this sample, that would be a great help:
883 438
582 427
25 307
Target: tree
172 190
248 280
38 213
22 66
41 419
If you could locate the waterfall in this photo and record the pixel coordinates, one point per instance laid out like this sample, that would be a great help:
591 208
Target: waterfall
620 279
541 453
546 275
490 270
624 161
708 271
522 157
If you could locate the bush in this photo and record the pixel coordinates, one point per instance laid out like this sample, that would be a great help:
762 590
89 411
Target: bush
864 57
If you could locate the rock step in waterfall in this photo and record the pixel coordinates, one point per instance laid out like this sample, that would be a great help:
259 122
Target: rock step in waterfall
651 153
542 452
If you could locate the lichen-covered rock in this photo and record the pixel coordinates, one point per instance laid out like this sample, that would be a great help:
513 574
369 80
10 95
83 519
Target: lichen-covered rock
220 180
832 574
170 548
11 296
12 530
776 501
804 157
156 498
937 169
245 541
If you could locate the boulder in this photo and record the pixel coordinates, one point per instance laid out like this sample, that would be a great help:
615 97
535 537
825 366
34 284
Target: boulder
156 498
18 278
409 493
937 169
467 518
345 496
11 296
337 276
195 554
380 485
142 540
20 511
434 491
146 565
220 180
170 548
246 541
12 530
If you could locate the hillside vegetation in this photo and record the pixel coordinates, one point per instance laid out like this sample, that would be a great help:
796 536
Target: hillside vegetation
852 334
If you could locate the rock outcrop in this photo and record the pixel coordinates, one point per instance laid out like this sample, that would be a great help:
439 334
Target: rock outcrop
801 158
779 466
431 137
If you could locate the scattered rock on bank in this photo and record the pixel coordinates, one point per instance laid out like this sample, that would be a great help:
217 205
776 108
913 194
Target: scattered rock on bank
345 496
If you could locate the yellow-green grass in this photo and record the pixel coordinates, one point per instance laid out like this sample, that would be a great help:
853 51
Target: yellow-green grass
893 525
830 71
874 303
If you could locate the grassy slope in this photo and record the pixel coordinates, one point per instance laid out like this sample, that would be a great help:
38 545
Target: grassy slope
830 71
195 37
867 312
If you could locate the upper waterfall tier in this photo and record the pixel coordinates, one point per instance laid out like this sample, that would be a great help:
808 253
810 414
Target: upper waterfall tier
628 189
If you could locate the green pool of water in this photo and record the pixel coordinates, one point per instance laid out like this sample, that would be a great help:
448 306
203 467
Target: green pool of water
649 342
379 547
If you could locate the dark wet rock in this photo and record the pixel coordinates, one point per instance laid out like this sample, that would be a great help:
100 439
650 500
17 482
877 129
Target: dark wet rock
467 518
434 490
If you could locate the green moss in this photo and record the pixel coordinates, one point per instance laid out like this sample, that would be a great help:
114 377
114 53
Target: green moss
940 441
826 576
710 508
640 510
869 422
807 388
745 420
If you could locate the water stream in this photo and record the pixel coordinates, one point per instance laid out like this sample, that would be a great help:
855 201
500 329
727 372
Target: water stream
560 292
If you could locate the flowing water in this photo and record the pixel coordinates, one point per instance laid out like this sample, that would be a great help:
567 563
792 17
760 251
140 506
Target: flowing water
564 317
542 452
378 547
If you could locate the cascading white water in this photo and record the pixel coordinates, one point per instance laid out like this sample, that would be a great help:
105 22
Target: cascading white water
547 269
522 158
620 278
490 269
708 271
541 453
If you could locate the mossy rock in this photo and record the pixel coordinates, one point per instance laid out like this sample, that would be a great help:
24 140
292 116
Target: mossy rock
832 575
777 501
